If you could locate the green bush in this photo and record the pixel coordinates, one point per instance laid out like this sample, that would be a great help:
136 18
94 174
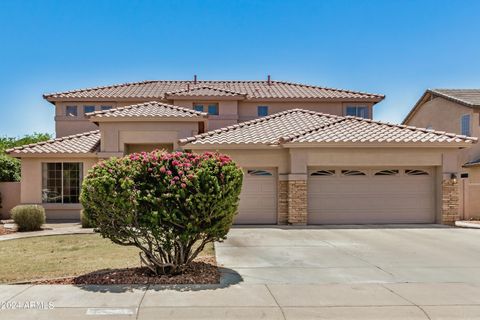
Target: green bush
86 221
169 205
28 217
9 169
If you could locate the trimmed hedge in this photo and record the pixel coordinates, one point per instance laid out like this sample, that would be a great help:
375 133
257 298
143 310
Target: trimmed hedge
28 217
169 205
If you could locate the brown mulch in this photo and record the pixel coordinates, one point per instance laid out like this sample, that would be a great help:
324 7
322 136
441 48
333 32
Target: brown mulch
4 230
202 271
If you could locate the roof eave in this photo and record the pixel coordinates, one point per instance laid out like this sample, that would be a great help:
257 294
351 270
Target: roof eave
53 155
380 144
97 120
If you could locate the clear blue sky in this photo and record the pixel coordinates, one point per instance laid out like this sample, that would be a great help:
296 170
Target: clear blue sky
398 48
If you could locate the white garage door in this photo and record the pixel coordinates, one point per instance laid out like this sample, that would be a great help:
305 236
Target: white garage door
258 199
368 195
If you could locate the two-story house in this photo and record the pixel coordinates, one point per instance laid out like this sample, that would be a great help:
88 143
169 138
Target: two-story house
458 111
310 154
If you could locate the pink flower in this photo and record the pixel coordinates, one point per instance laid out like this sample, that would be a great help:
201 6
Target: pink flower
169 172
172 182
180 172
183 185
150 169
162 169
176 178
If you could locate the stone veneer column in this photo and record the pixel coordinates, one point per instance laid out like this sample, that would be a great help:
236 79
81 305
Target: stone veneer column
297 202
282 211
450 201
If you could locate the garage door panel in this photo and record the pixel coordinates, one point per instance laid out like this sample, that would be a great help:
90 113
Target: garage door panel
396 198
258 199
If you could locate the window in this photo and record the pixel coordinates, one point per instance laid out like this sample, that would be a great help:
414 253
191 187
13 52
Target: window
415 172
466 124
105 108
213 109
262 111
323 173
88 109
353 173
61 182
357 111
259 172
71 111
386 173
198 107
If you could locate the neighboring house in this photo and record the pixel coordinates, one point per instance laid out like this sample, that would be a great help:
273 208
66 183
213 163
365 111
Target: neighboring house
455 110
310 154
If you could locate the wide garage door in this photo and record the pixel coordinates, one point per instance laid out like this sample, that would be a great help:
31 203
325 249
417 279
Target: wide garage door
371 195
258 200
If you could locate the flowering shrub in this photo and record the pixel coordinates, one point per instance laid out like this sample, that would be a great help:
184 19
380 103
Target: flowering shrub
169 205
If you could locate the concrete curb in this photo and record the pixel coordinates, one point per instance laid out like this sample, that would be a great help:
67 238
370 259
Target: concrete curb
467 224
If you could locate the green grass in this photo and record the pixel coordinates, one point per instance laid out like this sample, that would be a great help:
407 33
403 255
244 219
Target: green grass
60 256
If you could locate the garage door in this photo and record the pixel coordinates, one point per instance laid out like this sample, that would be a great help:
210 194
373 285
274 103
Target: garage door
371 195
258 199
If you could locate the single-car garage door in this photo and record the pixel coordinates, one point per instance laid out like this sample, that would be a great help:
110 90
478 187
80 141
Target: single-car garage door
371 195
258 199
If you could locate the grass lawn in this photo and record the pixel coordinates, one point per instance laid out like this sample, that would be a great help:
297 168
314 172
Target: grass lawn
67 255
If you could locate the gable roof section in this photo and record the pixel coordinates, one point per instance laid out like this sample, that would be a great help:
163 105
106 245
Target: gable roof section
83 143
205 91
301 126
466 97
252 89
152 109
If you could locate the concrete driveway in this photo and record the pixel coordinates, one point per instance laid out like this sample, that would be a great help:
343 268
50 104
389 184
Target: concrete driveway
371 273
367 254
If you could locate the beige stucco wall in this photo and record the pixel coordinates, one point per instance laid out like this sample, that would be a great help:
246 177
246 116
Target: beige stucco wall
115 135
31 186
10 192
230 111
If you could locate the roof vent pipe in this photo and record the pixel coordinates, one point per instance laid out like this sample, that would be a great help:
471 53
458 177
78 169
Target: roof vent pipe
269 80
195 79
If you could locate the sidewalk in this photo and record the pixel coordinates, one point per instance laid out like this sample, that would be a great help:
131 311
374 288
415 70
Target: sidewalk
49 229
247 301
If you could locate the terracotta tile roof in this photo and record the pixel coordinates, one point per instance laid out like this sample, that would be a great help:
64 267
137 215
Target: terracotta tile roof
469 97
302 126
204 91
149 109
252 89
87 142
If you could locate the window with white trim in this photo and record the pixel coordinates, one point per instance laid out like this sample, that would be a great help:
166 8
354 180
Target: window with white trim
465 124
88 109
357 111
61 182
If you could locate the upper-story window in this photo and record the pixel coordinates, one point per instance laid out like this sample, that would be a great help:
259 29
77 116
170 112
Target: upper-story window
88 109
105 108
262 111
198 107
213 109
357 111
71 111
465 124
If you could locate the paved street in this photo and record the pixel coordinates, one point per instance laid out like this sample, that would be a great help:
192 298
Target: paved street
326 273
